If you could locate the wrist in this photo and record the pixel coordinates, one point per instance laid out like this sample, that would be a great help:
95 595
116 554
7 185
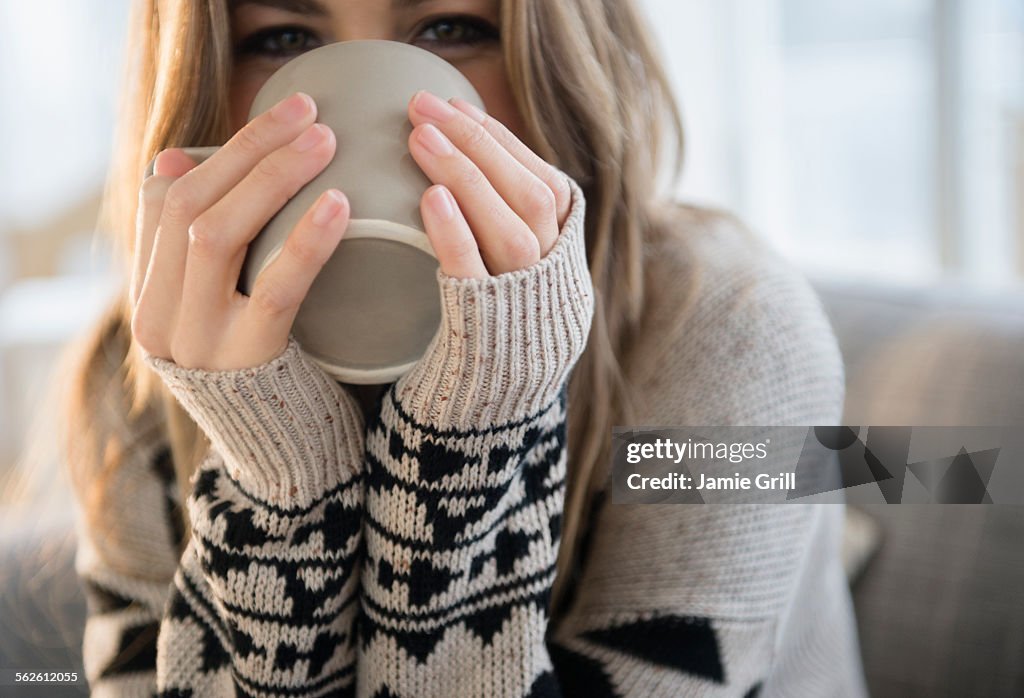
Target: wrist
287 432
506 343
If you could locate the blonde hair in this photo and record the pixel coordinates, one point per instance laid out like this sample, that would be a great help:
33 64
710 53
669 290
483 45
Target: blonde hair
595 102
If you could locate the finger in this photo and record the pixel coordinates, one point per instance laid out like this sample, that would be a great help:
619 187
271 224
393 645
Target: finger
219 237
527 195
551 176
206 183
151 199
154 312
172 162
214 177
450 236
505 240
280 288
169 165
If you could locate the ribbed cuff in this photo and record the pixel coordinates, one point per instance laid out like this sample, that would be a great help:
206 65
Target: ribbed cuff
287 432
507 342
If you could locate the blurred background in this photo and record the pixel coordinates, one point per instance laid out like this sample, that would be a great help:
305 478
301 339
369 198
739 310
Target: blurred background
880 141
878 144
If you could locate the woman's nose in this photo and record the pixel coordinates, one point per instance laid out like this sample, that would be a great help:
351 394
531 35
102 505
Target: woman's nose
362 20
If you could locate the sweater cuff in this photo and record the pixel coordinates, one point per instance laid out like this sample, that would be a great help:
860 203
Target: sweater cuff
287 432
507 342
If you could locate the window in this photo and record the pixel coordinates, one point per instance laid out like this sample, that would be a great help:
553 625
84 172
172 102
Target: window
882 139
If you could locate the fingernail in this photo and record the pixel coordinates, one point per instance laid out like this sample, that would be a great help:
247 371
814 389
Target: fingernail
432 106
311 137
442 204
328 206
435 141
173 162
292 108
470 110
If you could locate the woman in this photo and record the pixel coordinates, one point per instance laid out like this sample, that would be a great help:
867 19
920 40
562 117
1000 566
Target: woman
250 525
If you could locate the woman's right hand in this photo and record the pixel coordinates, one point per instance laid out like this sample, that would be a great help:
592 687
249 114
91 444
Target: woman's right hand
194 226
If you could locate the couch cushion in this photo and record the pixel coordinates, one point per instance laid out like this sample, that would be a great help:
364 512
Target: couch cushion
939 609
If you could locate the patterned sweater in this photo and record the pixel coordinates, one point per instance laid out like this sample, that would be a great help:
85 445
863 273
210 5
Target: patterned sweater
410 550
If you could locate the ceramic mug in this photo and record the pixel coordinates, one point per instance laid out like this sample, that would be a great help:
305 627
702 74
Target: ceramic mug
375 306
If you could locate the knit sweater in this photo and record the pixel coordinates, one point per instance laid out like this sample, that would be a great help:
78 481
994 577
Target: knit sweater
410 550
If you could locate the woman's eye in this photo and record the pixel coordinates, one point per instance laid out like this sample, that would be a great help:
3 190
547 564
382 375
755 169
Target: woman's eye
456 31
278 42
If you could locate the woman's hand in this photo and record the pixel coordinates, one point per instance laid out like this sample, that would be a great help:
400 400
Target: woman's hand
516 293
508 204
194 226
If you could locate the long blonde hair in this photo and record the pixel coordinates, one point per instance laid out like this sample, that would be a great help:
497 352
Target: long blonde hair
595 102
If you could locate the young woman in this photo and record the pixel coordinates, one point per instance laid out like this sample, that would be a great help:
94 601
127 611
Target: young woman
250 525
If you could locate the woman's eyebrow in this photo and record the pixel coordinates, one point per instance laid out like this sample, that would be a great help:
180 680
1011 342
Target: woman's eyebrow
402 4
310 7
299 7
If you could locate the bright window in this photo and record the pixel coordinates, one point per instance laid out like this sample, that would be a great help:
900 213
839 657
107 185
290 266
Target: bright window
880 139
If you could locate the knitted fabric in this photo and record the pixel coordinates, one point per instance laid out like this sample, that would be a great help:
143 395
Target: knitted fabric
411 551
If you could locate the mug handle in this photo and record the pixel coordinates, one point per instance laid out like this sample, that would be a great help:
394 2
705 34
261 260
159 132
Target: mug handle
196 153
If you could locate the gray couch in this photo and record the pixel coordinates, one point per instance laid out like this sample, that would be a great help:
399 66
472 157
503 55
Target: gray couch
940 605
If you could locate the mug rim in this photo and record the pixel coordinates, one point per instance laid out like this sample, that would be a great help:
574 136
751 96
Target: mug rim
356 45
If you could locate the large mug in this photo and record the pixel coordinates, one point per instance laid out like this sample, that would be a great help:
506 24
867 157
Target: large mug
375 306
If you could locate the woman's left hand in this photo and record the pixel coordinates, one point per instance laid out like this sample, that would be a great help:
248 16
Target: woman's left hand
496 206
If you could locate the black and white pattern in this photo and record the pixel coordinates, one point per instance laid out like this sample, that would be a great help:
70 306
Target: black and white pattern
267 596
461 535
